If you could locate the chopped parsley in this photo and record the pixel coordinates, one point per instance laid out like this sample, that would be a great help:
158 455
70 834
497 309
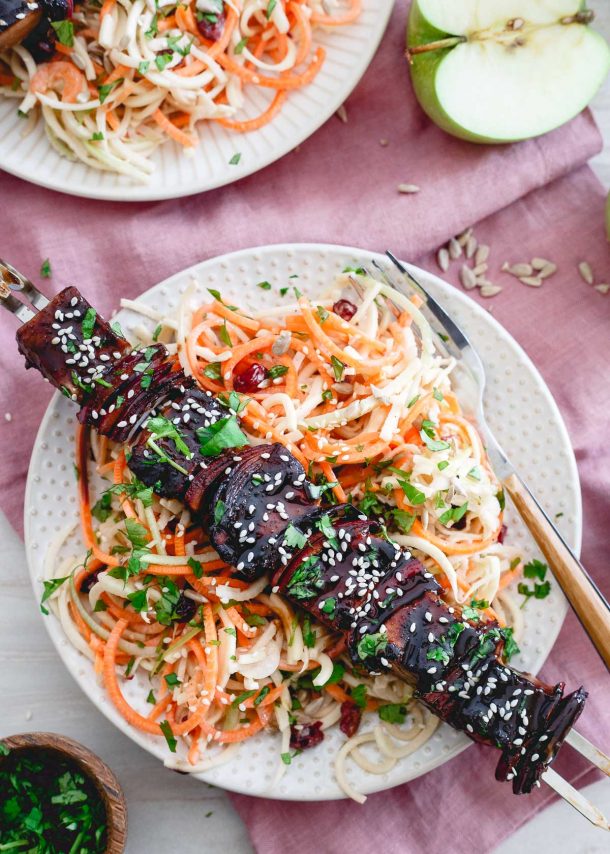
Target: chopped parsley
64 30
213 371
88 323
454 514
163 59
277 371
235 159
413 495
329 607
393 713
261 695
196 566
535 569
241 697
49 589
264 286
162 428
224 433
370 645
307 579
358 695
105 89
167 731
293 538
338 368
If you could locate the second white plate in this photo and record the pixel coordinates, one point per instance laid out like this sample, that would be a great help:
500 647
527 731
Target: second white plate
520 409
349 51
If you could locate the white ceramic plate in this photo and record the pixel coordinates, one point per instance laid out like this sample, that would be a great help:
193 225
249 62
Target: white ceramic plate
349 52
521 411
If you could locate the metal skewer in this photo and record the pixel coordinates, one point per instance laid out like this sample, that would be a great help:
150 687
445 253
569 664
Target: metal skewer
12 280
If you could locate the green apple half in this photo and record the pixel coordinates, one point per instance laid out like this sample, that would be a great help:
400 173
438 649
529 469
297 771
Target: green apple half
499 71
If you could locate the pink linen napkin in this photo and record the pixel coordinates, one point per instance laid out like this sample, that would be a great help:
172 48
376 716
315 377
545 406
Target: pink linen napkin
530 199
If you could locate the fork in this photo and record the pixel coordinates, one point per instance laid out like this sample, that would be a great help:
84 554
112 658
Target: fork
587 601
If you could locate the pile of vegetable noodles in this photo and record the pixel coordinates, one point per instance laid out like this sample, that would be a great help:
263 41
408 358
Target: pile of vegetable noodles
133 74
355 387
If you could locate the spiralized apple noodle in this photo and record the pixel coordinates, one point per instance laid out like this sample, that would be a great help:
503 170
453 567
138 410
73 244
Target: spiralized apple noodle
358 390
133 74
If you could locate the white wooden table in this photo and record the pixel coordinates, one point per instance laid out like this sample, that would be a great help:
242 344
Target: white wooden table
170 812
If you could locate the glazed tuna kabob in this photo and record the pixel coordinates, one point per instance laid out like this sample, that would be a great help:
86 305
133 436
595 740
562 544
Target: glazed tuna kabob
262 517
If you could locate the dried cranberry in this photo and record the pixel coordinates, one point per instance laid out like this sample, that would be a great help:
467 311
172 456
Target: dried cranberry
502 534
211 28
459 524
345 309
250 379
89 581
307 736
351 716
184 610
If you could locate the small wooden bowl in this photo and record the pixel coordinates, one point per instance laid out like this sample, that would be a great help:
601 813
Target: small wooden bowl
97 771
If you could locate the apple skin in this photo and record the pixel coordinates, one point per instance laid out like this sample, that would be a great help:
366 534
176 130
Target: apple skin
424 67
423 75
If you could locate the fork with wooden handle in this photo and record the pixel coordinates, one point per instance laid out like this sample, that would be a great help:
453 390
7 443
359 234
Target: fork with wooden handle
587 601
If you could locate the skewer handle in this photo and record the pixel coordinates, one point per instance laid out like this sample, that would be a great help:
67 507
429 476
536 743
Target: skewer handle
590 606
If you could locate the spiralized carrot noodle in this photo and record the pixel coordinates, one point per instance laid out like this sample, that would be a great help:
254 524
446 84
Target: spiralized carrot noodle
138 75
352 383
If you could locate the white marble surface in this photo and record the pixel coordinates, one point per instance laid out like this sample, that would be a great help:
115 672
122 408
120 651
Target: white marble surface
170 812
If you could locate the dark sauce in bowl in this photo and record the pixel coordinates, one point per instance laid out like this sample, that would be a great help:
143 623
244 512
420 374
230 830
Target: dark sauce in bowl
49 804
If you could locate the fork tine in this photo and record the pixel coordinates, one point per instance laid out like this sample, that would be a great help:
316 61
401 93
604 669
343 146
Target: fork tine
12 279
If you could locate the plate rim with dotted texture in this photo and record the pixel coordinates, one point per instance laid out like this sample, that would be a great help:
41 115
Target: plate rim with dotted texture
349 51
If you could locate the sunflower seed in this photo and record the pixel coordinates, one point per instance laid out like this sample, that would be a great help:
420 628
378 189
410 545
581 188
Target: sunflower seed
482 254
532 281
584 268
603 288
482 282
490 290
442 258
468 278
281 343
341 113
519 270
455 248
343 388
539 263
547 270
471 246
408 188
480 269
462 238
